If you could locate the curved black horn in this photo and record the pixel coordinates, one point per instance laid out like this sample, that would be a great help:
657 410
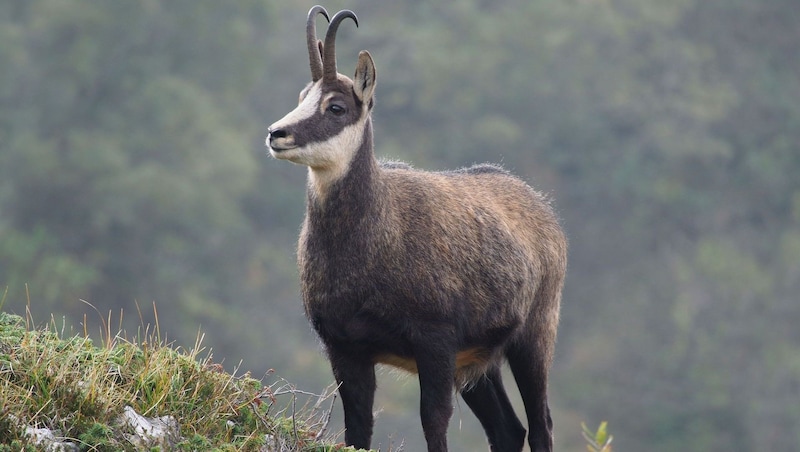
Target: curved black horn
329 56
311 38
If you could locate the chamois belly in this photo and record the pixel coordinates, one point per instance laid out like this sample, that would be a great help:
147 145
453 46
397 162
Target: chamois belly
471 363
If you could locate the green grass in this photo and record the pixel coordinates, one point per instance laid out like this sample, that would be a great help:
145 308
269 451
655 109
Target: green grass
79 390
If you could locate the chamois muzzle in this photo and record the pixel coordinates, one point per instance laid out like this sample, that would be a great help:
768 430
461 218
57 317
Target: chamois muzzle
280 140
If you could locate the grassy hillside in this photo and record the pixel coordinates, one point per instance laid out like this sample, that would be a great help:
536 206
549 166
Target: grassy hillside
63 392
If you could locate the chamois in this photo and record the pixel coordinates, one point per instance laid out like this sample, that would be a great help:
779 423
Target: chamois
443 274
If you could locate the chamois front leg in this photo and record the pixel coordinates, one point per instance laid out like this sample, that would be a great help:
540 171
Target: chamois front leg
356 379
435 358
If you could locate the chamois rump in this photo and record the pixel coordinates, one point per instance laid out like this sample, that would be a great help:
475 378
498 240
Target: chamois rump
443 274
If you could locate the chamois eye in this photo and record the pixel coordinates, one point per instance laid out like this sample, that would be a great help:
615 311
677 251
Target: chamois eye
337 110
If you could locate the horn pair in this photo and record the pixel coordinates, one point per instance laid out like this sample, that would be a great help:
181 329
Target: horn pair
322 57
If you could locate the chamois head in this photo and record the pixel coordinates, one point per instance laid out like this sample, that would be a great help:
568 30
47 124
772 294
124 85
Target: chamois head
328 125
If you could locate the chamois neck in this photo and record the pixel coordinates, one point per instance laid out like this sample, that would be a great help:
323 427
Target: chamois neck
351 183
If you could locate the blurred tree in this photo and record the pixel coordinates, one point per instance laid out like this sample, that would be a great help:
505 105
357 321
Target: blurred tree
127 158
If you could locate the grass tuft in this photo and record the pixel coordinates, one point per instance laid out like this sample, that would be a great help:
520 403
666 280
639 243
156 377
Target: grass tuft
78 391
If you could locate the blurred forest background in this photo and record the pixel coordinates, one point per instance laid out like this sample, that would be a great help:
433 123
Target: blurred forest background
133 170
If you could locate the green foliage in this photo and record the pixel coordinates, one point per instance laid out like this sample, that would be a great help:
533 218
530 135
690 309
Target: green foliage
598 441
100 437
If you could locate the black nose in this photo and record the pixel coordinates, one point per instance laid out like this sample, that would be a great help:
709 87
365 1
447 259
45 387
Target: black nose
275 134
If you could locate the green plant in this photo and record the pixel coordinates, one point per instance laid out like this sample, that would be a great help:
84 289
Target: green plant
598 441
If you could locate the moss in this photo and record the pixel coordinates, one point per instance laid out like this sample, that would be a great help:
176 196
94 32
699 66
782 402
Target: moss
98 437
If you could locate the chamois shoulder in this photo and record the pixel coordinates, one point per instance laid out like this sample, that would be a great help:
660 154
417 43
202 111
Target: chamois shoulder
481 168
474 170
394 164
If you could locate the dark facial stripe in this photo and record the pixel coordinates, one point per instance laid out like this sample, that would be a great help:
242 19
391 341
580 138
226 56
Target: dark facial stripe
323 124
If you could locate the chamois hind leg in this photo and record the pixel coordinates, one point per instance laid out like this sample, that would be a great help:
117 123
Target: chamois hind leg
488 400
356 380
530 366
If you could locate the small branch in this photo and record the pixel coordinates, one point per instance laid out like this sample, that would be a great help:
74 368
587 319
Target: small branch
327 420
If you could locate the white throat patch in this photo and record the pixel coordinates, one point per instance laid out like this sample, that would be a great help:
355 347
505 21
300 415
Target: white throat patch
332 158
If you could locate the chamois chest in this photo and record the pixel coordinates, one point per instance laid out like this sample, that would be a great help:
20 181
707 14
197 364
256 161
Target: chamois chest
340 295
338 273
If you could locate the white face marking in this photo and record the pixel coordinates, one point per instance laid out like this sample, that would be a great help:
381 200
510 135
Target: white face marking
327 98
331 158
305 110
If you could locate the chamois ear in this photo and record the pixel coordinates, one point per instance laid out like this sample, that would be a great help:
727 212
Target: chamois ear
364 81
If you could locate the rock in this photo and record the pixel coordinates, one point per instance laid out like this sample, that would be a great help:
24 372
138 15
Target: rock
160 431
45 438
